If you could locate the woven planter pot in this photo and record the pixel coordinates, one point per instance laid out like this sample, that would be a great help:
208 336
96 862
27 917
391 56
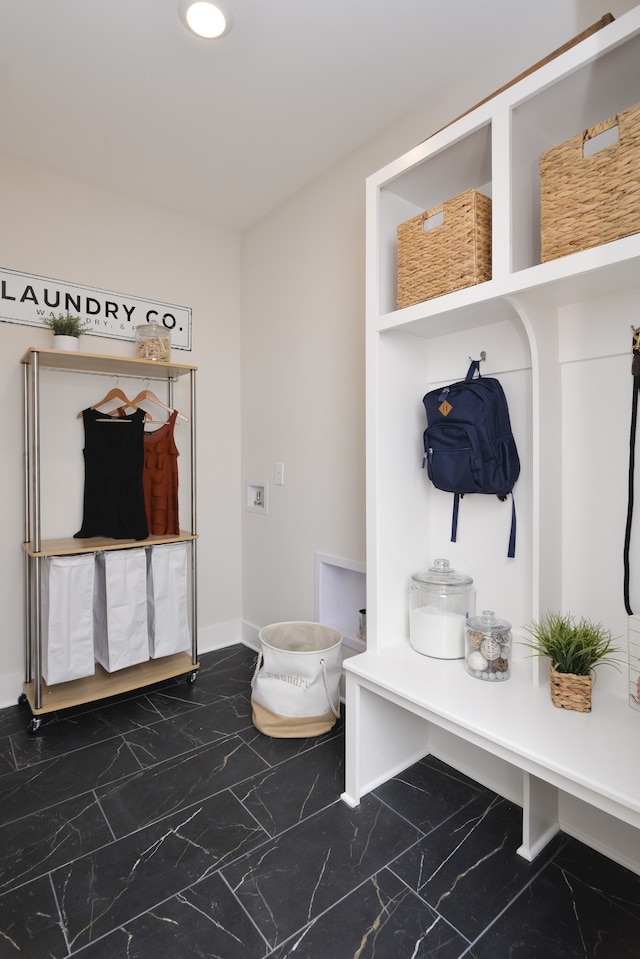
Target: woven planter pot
569 691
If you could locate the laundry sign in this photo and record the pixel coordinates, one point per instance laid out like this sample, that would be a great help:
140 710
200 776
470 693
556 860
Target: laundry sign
29 299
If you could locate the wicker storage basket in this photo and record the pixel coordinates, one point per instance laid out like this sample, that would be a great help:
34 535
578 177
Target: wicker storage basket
586 201
448 257
569 691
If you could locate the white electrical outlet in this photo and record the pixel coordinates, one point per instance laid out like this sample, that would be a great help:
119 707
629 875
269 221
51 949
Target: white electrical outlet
279 474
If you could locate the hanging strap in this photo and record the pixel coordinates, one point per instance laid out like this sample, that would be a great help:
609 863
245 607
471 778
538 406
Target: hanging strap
635 371
511 552
454 517
473 369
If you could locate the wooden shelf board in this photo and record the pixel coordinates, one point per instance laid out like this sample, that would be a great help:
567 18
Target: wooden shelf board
103 684
100 363
69 545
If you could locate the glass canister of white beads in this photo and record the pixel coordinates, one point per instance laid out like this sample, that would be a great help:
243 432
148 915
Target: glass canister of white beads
440 600
487 641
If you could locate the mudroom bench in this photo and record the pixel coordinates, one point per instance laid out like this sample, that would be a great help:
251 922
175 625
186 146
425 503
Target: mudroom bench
403 706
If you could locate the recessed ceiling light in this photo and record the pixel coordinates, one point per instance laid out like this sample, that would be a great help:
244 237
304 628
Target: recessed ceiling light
205 19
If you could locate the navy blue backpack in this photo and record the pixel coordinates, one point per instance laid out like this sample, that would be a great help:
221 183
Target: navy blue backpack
468 443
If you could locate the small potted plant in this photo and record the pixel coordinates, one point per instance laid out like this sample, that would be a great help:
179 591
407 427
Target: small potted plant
66 329
574 648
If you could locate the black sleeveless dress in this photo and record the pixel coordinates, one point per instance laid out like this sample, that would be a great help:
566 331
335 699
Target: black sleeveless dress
113 464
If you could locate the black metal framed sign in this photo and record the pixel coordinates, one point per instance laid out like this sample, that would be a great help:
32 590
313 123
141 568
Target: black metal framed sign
29 299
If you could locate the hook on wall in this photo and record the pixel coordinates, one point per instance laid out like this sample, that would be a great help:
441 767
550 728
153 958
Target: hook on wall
483 356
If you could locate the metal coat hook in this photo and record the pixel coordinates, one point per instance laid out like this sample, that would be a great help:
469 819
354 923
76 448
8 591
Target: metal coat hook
483 356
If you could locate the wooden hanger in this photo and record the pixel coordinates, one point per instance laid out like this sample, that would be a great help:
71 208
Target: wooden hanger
116 394
149 395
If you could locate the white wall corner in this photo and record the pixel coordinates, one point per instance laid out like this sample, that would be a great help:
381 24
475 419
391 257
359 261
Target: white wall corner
249 635
219 636
10 690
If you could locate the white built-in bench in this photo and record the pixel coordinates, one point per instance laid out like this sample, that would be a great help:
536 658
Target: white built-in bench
402 706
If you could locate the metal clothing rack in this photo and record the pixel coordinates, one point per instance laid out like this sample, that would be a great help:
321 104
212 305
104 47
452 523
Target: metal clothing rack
41 698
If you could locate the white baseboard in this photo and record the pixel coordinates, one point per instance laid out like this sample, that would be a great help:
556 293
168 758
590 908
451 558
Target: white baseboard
227 634
10 689
219 636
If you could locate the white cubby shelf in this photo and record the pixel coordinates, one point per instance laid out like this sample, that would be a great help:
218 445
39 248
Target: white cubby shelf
340 594
557 335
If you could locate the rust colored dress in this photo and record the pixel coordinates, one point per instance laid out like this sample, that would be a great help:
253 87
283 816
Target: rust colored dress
160 479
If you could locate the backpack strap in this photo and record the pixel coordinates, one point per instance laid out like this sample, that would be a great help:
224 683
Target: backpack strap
635 370
454 517
511 552
473 369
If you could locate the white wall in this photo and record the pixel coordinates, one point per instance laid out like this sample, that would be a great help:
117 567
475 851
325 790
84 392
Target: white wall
68 230
301 355
303 343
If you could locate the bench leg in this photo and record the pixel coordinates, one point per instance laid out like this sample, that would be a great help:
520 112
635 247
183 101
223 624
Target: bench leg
539 815
382 738
351 794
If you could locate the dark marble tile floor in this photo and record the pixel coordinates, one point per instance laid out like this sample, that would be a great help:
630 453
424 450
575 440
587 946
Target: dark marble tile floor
162 824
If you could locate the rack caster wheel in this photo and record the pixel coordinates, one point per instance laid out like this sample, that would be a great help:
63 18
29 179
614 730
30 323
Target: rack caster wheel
22 699
35 724
191 678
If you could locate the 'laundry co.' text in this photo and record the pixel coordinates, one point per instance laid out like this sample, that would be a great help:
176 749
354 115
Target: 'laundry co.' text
28 299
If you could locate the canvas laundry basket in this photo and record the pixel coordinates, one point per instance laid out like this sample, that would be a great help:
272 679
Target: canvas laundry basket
120 609
167 605
295 690
67 617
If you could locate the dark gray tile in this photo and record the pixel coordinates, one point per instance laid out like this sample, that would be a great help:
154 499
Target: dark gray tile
188 730
176 783
602 874
42 785
275 750
107 889
228 659
77 730
560 916
169 706
295 789
226 672
428 793
295 877
380 919
38 843
203 921
30 925
7 763
468 869
14 719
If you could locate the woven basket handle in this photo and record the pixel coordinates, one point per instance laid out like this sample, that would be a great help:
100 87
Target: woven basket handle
595 131
601 127
430 214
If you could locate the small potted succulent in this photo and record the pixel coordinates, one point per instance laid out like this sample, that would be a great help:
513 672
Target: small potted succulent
574 647
66 329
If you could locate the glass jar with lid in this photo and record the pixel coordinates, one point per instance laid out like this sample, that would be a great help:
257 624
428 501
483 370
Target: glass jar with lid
488 647
152 341
440 601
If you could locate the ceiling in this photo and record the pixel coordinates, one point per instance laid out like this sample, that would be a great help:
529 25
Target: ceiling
117 92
